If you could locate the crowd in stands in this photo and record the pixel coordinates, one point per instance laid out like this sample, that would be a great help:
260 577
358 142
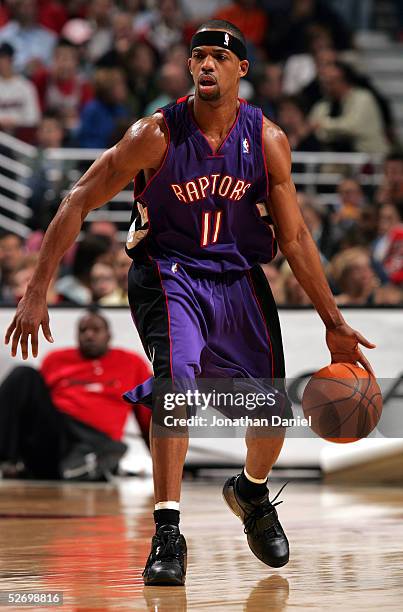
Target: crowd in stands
77 74
360 242
98 65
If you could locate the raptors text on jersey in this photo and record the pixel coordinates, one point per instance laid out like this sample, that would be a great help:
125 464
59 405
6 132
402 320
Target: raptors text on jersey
204 208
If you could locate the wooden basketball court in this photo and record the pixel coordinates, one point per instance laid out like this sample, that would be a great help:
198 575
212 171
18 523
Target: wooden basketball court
91 541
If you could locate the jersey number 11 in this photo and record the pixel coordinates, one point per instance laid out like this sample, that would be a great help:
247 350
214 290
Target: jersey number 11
211 225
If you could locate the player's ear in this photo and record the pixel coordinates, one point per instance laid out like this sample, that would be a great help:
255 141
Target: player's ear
189 61
243 68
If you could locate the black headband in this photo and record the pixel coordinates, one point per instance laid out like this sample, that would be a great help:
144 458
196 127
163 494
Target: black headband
218 38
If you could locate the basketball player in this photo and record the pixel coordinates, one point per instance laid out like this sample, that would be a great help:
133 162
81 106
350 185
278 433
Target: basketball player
198 297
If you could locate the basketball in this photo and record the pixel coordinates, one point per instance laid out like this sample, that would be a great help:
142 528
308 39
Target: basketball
343 403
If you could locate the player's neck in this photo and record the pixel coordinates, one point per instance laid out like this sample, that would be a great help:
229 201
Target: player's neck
215 118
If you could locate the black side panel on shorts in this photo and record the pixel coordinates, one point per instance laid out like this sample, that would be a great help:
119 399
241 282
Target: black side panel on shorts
148 304
269 309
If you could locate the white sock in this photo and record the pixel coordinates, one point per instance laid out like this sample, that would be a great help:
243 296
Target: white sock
252 479
167 505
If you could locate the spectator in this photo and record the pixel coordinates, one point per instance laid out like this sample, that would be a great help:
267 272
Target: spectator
324 57
300 69
388 219
174 83
353 276
107 113
312 93
104 286
276 282
179 53
391 190
67 419
51 14
105 228
11 256
161 28
19 105
363 232
50 177
33 43
268 81
122 265
348 117
61 87
351 270
141 67
325 234
21 277
292 120
122 39
351 201
135 8
294 293
384 106
75 286
393 246
100 16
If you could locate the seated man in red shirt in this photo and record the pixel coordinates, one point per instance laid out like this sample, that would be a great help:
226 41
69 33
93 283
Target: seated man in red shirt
66 420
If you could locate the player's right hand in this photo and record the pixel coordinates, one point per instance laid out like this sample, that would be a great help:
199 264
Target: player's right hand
344 346
31 314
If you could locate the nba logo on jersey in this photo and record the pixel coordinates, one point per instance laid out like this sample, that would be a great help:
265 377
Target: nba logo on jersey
226 39
245 146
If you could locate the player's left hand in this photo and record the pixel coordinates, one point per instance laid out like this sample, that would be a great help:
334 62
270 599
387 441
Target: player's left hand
343 343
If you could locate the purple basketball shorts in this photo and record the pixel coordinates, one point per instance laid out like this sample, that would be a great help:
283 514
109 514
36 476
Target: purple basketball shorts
204 326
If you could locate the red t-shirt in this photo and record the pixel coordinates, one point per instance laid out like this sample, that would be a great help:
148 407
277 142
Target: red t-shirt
90 390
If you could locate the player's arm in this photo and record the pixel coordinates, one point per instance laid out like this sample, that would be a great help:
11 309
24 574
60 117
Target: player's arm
298 247
142 147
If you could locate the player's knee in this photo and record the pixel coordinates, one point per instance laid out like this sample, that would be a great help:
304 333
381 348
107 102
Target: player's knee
23 372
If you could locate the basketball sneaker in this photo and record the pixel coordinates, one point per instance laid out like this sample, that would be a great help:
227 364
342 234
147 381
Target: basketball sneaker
166 564
266 537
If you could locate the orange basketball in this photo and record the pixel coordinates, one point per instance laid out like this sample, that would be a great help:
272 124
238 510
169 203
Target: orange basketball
342 402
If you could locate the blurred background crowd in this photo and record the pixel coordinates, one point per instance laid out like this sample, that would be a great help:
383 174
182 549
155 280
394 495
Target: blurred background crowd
77 73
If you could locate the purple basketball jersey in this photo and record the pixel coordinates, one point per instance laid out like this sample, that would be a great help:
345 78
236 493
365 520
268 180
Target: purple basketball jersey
202 209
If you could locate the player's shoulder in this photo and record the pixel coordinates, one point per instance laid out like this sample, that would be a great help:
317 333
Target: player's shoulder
146 139
273 133
149 130
277 150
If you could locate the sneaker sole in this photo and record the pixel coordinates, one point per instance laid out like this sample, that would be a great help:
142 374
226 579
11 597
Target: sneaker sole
168 579
167 582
